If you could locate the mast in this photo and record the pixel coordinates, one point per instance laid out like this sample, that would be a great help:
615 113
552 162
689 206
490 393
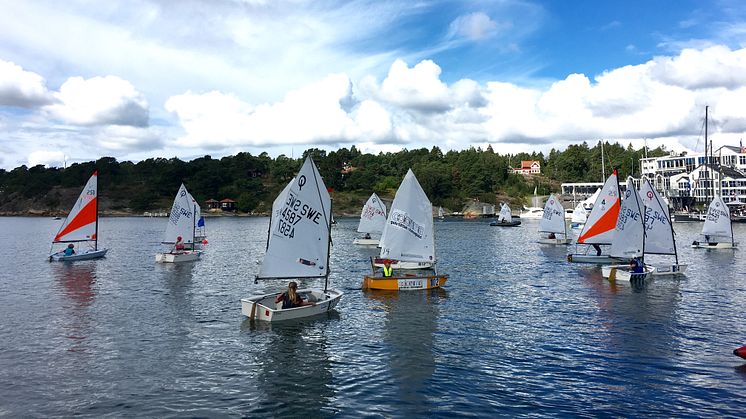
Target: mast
603 165
95 234
328 245
194 227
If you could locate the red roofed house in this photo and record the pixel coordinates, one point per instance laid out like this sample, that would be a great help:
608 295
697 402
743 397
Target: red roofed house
212 204
528 167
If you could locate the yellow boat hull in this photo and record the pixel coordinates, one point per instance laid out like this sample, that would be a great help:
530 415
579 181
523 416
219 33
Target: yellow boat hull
404 283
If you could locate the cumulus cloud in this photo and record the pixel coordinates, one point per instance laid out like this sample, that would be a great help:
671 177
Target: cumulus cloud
20 88
107 100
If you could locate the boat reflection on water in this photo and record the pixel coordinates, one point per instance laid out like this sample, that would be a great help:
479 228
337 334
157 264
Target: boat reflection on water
77 282
408 335
294 376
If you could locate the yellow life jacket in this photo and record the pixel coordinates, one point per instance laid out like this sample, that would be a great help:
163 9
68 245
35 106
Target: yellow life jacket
387 271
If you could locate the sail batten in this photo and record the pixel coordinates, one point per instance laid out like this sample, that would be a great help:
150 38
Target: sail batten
298 237
408 232
80 224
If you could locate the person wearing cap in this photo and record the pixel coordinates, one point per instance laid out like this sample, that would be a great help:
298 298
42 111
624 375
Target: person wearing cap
387 269
179 246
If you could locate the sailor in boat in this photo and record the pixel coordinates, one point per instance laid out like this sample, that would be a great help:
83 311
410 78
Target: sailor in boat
291 299
636 266
70 250
367 236
388 271
179 246
707 240
552 236
598 249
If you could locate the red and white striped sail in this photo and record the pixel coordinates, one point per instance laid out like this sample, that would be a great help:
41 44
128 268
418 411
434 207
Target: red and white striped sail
80 224
599 228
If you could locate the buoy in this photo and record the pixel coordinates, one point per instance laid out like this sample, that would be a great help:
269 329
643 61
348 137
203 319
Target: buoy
204 241
740 352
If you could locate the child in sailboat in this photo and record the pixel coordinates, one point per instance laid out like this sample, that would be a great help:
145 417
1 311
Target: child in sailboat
70 250
179 246
290 298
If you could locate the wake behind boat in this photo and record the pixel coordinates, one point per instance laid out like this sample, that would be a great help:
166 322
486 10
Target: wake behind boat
298 245
80 226
408 240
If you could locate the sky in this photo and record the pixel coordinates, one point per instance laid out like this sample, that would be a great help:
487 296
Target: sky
138 79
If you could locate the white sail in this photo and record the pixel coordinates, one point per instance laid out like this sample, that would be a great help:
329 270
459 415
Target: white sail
199 221
408 233
553 220
599 228
373 216
658 229
80 224
629 234
441 213
717 224
588 202
506 214
181 220
298 244
579 215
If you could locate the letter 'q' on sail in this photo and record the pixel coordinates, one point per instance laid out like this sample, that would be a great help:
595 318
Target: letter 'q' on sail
181 219
298 243
599 228
373 217
80 224
408 233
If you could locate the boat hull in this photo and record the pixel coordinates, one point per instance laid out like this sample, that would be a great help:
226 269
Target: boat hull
188 256
92 254
669 270
722 245
600 260
557 241
264 308
365 242
508 224
622 273
404 283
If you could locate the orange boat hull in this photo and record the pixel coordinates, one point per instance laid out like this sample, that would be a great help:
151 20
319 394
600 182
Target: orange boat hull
404 283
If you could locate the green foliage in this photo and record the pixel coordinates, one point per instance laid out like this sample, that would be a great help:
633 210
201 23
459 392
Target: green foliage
449 179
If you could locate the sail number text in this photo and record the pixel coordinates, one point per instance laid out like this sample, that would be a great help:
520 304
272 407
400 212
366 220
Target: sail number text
293 212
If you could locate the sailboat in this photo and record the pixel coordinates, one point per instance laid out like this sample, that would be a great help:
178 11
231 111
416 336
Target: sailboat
81 226
181 224
579 216
372 220
534 211
505 218
298 244
408 241
441 214
717 229
553 223
659 235
628 241
599 228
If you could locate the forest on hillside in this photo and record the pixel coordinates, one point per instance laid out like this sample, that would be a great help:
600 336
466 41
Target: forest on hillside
449 178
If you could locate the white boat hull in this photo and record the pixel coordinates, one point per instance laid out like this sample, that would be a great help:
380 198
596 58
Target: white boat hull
721 245
365 242
87 255
187 256
600 260
622 273
669 270
557 241
264 308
